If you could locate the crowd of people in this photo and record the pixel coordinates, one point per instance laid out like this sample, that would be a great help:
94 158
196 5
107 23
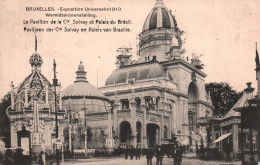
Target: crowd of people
15 157
158 153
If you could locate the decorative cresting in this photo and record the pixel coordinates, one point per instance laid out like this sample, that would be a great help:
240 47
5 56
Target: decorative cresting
160 35
32 105
81 74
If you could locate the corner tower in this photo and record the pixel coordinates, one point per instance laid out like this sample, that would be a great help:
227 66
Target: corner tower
160 35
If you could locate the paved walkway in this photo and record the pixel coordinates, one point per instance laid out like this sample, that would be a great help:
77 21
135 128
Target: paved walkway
166 161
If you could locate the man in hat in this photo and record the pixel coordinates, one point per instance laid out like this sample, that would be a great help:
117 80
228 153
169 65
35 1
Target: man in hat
159 155
19 158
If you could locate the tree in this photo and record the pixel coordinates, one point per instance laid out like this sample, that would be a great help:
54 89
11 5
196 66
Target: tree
4 120
223 97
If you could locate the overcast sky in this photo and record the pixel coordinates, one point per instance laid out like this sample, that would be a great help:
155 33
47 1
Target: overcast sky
225 31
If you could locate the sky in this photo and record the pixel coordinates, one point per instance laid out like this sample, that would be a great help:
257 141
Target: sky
224 31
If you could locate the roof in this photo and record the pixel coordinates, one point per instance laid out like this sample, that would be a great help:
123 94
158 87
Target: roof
159 17
141 71
82 89
240 103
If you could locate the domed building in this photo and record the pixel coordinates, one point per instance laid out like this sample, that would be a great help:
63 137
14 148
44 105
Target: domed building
161 93
84 102
32 111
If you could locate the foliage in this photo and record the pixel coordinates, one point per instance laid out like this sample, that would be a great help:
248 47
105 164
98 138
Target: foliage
4 120
223 97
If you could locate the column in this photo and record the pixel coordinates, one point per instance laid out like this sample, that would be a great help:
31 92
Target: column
70 145
60 101
235 140
115 109
14 143
133 120
144 133
161 130
221 143
174 118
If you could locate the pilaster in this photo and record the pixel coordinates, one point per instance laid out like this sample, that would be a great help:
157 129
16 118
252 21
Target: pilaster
133 121
143 108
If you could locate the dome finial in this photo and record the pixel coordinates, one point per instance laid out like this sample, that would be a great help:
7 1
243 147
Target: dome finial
35 59
81 74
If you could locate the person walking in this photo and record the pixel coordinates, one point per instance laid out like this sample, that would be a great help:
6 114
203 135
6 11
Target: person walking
177 158
159 155
149 156
126 152
131 152
137 153
39 159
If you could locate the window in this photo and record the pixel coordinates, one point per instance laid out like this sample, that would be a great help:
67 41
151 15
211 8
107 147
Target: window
138 103
125 104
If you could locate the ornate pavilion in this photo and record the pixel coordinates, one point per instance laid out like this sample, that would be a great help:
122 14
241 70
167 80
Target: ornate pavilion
32 111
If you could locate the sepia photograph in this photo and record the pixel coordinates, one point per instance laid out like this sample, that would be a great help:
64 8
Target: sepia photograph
112 82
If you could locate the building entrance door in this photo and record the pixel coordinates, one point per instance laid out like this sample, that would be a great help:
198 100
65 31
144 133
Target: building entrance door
152 135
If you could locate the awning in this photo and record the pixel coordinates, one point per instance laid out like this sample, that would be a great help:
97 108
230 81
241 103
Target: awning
222 137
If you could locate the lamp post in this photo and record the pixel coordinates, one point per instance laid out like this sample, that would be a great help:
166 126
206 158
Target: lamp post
55 84
85 126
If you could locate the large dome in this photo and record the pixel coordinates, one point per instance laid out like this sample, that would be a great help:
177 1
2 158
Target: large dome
159 17
82 94
82 89
139 71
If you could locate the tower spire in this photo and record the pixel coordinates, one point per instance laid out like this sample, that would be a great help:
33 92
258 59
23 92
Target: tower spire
257 59
35 43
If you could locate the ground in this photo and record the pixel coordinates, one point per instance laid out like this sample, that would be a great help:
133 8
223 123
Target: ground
188 160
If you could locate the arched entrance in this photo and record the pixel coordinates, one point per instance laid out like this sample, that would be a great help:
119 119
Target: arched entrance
125 132
192 109
152 135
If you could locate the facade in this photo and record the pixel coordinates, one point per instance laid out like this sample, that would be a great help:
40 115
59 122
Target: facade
142 103
161 93
32 111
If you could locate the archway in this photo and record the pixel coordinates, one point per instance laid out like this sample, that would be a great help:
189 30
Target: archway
193 97
193 92
125 132
139 131
152 135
